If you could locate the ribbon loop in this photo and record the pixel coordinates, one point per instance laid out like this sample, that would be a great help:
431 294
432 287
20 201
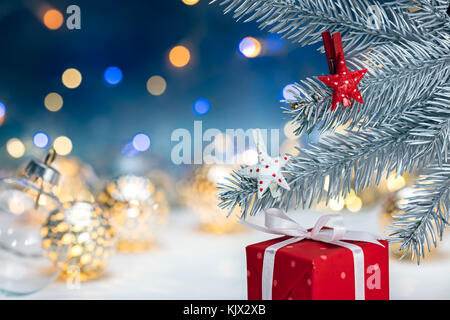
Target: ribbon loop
335 222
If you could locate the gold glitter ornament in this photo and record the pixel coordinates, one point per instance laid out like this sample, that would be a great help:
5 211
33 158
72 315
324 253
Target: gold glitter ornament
137 211
200 194
83 227
73 184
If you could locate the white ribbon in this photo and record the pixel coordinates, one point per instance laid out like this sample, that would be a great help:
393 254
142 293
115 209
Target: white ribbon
277 222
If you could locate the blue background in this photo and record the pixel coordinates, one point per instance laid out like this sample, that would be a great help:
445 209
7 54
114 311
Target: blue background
136 36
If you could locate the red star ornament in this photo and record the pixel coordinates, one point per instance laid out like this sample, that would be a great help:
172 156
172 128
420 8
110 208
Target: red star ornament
344 84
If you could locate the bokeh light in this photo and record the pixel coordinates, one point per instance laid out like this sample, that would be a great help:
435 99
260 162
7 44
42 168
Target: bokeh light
53 19
290 91
274 42
250 47
53 102
141 142
250 157
190 2
71 78
290 146
354 203
15 148
156 85
41 140
201 106
62 145
336 204
112 76
179 56
395 183
218 174
289 129
2 110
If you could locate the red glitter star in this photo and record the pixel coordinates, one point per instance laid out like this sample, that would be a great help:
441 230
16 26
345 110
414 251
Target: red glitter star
344 84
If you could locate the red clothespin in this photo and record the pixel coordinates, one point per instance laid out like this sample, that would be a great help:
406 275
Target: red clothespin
333 48
343 82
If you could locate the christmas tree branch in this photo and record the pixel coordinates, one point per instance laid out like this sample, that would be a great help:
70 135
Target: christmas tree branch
412 73
407 144
361 22
425 213
430 15
404 123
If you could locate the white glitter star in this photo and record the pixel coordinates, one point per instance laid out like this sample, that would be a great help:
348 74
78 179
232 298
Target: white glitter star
267 171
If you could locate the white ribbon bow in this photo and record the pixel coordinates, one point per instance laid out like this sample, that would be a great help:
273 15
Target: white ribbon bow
277 222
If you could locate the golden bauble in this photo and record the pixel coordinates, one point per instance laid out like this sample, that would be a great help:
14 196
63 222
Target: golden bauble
137 211
73 184
86 229
200 194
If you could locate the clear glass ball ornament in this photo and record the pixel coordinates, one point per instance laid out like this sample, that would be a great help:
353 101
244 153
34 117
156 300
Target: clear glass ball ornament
24 207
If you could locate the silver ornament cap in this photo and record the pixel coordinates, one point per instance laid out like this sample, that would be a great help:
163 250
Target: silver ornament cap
36 169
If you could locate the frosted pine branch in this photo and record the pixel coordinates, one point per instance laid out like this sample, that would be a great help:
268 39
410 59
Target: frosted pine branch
362 156
425 213
403 125
430 15
303 21
412 74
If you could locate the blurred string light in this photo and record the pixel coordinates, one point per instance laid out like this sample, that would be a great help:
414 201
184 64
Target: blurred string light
141 142
53 19
179 56
290 146
2 113
113 76
129 151
288 92
156 85
353 203
15 148
71 78
2 110
41 140
250 47
395 183
250 157
337 204
274 42
53 102
289 130
62 145
201 106
190 2
217 174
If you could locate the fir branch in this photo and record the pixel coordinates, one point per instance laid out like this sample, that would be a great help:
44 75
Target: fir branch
430 15
413 74
403 146
404 123
425 213
303 21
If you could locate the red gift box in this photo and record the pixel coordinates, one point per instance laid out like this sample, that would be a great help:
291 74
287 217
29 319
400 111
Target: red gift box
305 269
